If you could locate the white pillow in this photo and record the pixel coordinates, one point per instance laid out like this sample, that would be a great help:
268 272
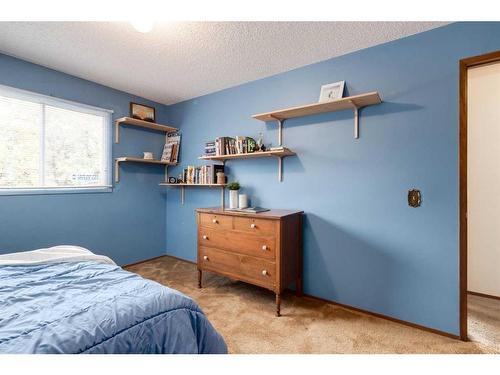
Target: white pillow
61 253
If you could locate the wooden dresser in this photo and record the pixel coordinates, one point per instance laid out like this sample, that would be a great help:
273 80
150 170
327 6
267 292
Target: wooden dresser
263 249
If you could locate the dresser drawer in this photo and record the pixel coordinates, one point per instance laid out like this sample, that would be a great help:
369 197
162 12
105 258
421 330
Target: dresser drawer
245 268
242 243
216 221
255 226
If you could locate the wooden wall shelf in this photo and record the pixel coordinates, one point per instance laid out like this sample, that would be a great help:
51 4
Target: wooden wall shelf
183 186
197 185
124 159
354 102
142 124
280 154
258 154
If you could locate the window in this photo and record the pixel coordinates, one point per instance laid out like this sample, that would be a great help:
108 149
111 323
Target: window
49 144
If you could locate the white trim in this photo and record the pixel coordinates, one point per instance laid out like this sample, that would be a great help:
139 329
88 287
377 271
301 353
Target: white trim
107 157
49 100
42 146
108 150
56 190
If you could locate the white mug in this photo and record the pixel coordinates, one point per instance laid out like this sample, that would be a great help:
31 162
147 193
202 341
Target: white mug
148 155
243 201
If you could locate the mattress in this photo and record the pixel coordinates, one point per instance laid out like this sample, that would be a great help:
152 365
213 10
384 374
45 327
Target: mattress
94 306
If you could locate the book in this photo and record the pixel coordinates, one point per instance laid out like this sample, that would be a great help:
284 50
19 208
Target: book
230 146
249 210
175 153
171 149
240 145
251 145
210 148
278 148
167 152
203 175
220 146
188 174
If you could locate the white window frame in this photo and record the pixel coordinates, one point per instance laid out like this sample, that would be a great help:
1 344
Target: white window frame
107 114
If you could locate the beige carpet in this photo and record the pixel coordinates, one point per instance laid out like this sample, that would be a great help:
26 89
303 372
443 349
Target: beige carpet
244 316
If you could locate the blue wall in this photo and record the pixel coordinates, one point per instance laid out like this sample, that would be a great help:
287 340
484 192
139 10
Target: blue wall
127 224
363 245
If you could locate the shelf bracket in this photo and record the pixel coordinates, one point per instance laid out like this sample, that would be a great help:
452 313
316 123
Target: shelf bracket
355 109
222 196
280 129
280 143
117 171
117 132
280 169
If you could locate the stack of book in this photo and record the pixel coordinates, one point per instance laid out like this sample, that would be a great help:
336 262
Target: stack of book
210 148
230 146
277 148
171 148
203 175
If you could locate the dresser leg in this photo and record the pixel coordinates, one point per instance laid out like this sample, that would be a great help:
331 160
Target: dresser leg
278 305
199 278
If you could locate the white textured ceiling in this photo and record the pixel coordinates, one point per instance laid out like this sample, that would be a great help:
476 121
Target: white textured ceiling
182 60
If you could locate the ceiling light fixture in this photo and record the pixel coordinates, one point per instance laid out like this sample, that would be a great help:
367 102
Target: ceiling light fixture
143 26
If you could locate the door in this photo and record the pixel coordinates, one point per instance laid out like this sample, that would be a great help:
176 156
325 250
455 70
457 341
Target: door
483 179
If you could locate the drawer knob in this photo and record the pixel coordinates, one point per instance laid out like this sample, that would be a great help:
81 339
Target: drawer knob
264 272
253 226
264 247
205 237
214 221
205 257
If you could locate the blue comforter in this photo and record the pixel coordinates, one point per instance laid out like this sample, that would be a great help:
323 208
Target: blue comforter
87 307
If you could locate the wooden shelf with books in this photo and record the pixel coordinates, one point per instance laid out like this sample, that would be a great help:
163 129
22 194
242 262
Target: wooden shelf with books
197 185
197 176
124 159
354 102
225 148
229 148
170 152
142 124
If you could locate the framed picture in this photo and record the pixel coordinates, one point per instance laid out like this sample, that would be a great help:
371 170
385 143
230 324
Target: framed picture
142 112
332 91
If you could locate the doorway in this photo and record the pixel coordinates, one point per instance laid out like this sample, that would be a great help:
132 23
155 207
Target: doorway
479 159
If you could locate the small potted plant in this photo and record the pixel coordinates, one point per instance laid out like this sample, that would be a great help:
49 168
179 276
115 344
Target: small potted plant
233 194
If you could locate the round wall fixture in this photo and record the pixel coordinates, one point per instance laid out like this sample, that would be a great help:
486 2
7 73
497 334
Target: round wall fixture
414 198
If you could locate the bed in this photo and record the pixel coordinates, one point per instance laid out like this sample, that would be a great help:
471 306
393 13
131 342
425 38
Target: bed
66 299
